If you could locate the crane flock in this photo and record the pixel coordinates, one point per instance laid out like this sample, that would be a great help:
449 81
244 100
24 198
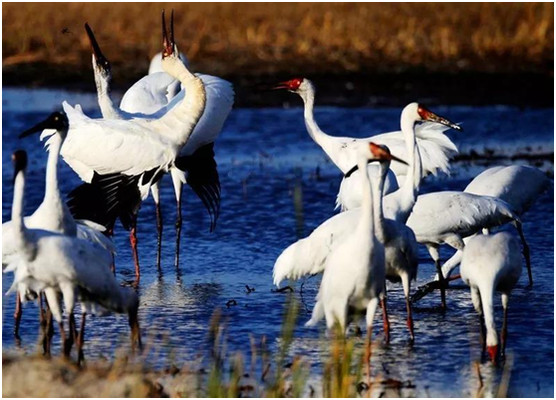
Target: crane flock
168 121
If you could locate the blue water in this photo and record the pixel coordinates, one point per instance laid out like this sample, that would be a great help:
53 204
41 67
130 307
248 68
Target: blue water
263 156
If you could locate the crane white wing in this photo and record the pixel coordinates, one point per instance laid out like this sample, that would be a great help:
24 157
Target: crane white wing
308 256
220 99
434 146
436 215
113 146
149 94
95 236
518 185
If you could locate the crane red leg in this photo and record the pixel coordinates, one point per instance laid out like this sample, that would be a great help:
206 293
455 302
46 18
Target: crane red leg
17 318
385 321
133 241
49 331
42 325
409 320
368 350
64 339
80 339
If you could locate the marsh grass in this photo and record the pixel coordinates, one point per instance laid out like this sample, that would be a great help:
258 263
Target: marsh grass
231 39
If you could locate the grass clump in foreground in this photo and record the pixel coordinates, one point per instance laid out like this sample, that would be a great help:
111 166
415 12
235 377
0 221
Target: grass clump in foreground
261 374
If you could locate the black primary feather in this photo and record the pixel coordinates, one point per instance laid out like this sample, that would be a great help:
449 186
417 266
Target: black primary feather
202 177
107 198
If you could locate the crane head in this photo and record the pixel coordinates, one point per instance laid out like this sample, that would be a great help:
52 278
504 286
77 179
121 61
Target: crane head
19 159
101 63
168 43
382 153
427 115
292 85
57 120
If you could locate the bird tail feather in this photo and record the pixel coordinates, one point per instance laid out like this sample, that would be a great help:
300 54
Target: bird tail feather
317 315
202 177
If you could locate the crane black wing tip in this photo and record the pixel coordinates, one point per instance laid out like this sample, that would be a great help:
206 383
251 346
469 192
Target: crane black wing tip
107 198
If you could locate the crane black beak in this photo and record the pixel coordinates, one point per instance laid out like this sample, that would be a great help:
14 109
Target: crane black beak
394 158
37 128
100 60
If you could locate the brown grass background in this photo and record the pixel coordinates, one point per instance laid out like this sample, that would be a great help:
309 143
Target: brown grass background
47 44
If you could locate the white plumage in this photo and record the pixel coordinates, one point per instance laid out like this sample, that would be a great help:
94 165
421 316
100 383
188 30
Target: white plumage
518 185
353 278
435 147
56 264
491 263
53 214
152 97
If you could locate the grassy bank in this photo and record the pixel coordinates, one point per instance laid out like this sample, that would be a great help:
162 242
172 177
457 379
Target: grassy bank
45 44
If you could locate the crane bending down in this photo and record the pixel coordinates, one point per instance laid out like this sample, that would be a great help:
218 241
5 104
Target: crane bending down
448 217
308 256
154 95
489 263
518 185
121 159
56 264
52 214
435 147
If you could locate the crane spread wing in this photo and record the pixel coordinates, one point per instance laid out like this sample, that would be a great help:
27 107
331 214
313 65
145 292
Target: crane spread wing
202 177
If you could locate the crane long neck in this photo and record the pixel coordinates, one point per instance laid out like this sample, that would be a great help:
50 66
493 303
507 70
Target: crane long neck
321 138
104 90
378 191
19 229
367 218
51 186
410 187
180 121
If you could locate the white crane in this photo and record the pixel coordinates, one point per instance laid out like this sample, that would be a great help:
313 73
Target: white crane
309 255
56 264
154 95
489 263
447 217
52 214
354 275
519 186
120 159
435 147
